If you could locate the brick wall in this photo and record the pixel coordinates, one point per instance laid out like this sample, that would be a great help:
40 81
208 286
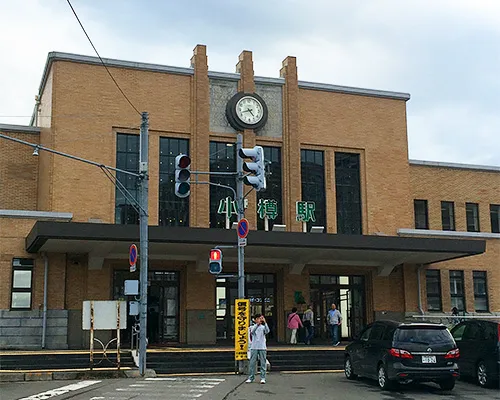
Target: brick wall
436 184
18 173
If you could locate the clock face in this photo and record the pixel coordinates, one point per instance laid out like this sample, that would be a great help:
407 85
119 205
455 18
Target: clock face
249 110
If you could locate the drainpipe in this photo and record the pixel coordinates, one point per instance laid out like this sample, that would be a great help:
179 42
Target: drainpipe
420 267
45 285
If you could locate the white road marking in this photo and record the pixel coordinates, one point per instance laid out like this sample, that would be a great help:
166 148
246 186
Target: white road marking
60 391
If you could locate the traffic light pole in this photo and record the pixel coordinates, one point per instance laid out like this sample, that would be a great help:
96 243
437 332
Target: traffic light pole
241 214
143 233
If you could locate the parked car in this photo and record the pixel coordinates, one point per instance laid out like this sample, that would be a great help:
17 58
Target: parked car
392 351
479 344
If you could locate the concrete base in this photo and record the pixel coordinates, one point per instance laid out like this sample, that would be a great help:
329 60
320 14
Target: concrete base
72 375
22 330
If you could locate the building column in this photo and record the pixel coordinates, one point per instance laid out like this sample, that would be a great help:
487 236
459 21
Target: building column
246 84
292 188
199 201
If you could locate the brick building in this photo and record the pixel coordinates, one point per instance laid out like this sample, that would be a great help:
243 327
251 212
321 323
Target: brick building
388 226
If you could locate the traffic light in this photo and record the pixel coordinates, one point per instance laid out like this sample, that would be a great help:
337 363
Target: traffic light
182 176
215 261
256 167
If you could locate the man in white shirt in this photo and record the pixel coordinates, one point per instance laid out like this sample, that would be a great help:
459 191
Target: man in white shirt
258 348
334 320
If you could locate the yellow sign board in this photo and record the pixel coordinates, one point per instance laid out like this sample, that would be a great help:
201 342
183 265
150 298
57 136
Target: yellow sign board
241 324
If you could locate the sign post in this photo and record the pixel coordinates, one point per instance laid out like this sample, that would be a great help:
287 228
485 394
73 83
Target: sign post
132 257
242 323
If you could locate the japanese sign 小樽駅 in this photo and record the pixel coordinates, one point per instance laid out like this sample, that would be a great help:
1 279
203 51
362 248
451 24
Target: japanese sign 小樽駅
228 207
241 324
267 208
305 211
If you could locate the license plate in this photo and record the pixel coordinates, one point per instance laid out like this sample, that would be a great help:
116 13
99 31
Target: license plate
428 359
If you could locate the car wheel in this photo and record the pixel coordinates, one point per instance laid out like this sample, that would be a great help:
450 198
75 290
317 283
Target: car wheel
348 369
482 377
447 384
383 380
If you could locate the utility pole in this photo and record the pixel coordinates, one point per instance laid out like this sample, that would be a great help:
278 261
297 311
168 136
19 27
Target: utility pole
241 214
143 234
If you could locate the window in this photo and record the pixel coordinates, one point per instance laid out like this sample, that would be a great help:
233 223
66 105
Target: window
127 159
366 334
448 215
458 332
472 214
480 291
273 185
173 211
348 193
313 184
433 285
22 283
495 218
377 332
457 290
421 214
222 159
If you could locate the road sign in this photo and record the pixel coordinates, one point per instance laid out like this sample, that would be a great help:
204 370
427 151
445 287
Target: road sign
242 228
132 257
242 242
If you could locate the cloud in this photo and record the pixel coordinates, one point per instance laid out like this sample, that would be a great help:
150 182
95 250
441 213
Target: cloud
445 53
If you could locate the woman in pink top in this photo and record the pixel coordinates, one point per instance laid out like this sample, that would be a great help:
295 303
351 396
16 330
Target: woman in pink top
294 323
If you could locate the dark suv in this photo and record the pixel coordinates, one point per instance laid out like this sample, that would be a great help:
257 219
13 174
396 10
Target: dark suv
479 344
391 351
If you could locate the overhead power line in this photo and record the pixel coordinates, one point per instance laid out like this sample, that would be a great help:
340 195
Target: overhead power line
114 80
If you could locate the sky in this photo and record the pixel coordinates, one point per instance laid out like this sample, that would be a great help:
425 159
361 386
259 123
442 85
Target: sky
445 53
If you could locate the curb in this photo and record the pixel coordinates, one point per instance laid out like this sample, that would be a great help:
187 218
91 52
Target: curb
73 375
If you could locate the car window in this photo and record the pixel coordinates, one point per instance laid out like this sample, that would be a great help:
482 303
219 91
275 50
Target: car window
389 333
458 332
425 336
490 331
377 332
472 332
366 334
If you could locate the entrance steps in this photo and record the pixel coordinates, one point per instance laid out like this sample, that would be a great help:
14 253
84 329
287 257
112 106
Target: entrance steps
296 358
176 360
61 360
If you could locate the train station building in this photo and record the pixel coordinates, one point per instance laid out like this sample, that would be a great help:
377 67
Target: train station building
346 218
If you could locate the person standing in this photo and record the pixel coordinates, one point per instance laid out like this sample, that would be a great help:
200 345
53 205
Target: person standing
294 323
308 322
334 321
258 348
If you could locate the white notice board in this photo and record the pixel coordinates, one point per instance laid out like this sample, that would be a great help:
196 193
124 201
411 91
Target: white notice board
105 314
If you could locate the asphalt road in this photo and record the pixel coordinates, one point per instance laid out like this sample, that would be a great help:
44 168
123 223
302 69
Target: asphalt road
231 387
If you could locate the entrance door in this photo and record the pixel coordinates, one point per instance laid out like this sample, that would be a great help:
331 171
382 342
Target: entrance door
163 305
347 292
260 290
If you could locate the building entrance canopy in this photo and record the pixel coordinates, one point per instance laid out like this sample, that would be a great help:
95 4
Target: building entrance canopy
111 241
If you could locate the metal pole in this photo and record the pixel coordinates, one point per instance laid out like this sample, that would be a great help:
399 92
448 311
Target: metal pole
241 214
45 290
143 231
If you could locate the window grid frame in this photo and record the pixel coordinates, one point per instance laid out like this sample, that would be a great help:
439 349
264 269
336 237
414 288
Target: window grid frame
271 153
29 290
349 213
438 295
451 211
315 191
474 225
166 195
130 215
218 221
481 296
495 214
460 275
425 203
